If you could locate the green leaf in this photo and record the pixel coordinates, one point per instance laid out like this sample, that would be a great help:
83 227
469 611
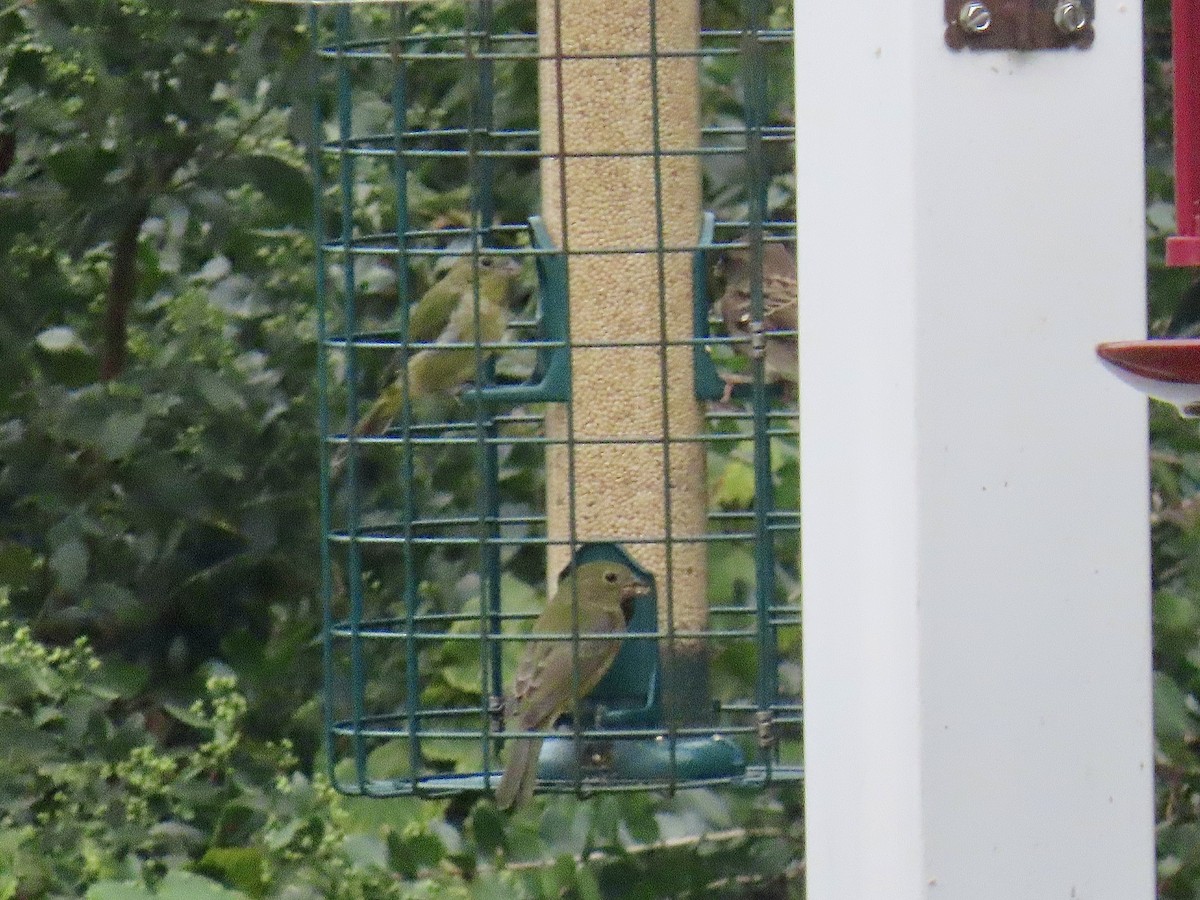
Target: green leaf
638 812
411 851
285 185
60 339
187 716
389 760
586 884
22 744
120 433
81 168
497 886
730 574
466 754
366 851
735 486
125 679
243 867
1173 721
558 879
118 890
180 885
69 563
460 661
17 565
487 827
218 392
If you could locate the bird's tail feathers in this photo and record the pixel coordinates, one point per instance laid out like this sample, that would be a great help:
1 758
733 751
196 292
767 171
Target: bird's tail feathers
375 421
520 773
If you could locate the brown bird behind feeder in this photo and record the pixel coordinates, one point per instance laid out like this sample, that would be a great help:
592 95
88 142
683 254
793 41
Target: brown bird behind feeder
781 352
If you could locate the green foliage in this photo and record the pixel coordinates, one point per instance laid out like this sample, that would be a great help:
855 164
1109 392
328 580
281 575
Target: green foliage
1175 468
92 799
93 802
167 514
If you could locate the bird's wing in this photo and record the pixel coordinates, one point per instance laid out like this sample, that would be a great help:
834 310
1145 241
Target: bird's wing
430 315
779 304
549 691
543 684
460 324
533 661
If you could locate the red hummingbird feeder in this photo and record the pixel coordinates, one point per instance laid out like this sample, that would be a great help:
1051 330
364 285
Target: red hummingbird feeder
1184 248
1166 368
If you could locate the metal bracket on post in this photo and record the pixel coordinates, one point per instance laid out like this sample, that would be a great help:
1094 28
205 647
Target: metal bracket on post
1020 24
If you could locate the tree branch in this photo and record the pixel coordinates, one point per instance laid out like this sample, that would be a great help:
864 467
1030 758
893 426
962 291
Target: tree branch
122 287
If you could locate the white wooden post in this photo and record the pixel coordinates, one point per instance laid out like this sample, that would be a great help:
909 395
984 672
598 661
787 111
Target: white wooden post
975 543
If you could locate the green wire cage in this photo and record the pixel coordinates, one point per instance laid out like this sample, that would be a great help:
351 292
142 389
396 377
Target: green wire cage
609 157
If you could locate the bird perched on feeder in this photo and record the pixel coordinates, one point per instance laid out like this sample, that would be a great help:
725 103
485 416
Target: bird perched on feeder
781 354
445 314
543 688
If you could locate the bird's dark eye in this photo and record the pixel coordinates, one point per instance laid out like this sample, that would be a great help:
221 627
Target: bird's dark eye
486 262
610 577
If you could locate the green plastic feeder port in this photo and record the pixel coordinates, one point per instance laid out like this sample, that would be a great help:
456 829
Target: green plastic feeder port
627 700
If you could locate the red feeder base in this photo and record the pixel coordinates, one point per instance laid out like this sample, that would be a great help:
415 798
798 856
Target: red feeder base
1166 369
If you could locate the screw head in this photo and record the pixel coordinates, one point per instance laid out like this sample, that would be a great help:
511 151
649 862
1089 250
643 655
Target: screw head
1070 16
974 17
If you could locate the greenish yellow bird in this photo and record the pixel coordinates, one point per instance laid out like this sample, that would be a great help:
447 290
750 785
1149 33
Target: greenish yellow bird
543 686
445 314
781 352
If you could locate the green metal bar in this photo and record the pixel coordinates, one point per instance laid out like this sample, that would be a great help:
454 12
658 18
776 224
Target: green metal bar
369 630
375 341
541 250
390 624
345 126
390 438
378 142
780 517
495 154
755 71
670 684
412 677
483 119
479 177
560 158
361 246
435 787
466 716
374 49
492 673
380 536
472 734
708 384
326 519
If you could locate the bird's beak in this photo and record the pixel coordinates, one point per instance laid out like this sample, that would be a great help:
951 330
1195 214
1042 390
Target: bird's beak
635 589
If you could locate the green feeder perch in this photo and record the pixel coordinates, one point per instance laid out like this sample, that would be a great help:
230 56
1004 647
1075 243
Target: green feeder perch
589 430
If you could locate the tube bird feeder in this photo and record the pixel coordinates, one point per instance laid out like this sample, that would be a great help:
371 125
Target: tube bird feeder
620 189
612 155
